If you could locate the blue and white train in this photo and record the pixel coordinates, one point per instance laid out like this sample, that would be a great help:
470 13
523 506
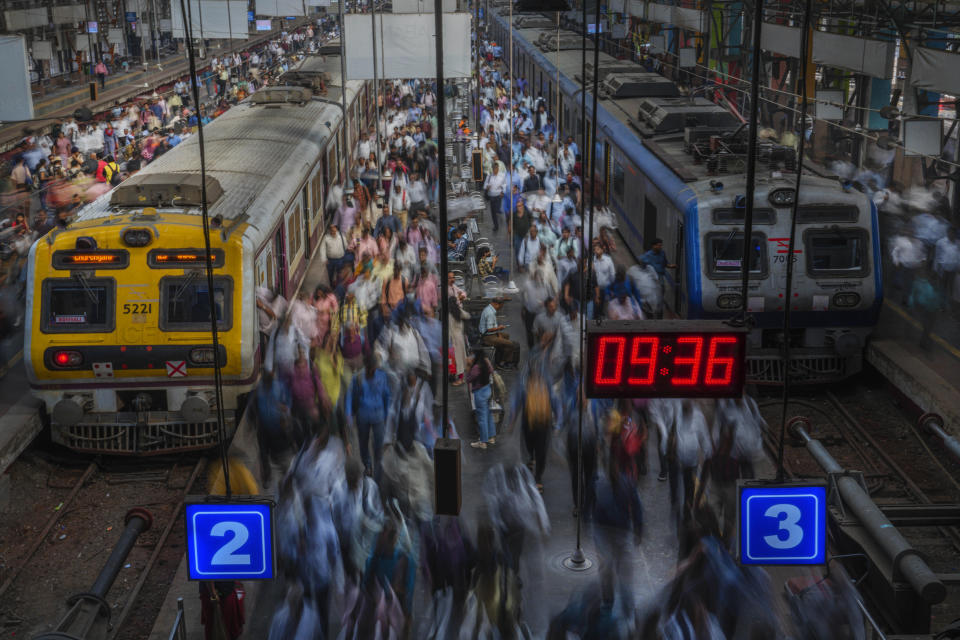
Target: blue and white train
672 166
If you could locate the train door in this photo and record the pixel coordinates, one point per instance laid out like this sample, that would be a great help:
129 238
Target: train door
649 223
606 172
305 207
678 272
280 262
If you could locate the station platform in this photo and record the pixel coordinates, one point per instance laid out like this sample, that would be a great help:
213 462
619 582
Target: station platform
926 372
62 101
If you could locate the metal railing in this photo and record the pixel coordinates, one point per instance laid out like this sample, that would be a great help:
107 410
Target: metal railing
179 629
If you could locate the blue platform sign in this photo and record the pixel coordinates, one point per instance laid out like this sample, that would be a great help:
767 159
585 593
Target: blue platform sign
229 541
783 524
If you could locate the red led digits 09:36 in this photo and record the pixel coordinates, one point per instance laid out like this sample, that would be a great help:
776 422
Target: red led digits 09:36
665 364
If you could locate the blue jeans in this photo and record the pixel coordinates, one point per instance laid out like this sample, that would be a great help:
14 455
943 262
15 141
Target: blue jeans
481 403
364 429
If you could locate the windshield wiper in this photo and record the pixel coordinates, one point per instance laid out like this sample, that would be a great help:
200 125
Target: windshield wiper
193 275
723 249
82 279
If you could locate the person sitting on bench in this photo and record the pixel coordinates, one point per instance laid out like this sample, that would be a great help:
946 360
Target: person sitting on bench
506 351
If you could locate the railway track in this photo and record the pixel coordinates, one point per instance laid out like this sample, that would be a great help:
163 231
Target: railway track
59 549
866 429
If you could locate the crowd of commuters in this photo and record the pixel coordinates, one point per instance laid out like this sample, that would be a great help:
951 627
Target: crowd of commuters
347 416
346 413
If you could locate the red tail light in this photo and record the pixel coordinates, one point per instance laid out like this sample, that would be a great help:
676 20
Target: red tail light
67 358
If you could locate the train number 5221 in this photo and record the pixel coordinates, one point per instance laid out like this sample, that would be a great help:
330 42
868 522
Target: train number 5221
137 307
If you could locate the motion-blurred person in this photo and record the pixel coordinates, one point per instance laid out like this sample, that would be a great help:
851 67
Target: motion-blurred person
368 404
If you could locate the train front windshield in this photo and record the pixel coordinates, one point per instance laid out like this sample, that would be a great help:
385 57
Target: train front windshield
186 303
77 305
836 252
726 254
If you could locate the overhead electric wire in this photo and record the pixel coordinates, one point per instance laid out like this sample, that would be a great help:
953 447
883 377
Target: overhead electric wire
204 214
750 189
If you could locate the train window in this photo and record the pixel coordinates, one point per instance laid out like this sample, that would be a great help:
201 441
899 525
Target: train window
821 213
732 215
293 233
185 303
836 252
725 254
618 180
78 305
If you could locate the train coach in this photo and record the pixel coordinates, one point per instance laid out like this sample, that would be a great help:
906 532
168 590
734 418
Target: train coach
671 165
119 347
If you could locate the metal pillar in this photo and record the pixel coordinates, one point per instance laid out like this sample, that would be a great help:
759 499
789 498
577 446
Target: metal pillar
933 423
906 560
442 211
343 88
376 94
89 614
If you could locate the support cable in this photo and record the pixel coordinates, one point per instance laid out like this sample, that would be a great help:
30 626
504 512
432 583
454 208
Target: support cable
788 294
217 374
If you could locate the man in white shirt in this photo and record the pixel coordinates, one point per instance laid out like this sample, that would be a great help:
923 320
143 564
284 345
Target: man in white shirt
417 192
399 202
603 267
333 249
566 265
530 249
495 187
623 307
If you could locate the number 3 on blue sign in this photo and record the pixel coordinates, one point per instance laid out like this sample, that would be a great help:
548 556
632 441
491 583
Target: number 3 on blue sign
782 524
788 523
229 541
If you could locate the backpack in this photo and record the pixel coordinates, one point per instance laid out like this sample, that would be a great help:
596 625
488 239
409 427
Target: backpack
114 177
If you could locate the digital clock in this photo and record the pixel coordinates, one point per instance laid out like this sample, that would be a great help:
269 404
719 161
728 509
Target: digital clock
665 359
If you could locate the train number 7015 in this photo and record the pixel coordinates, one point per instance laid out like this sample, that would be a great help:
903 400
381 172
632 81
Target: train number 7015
137 307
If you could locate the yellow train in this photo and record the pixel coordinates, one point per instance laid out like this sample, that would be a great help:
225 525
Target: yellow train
118 307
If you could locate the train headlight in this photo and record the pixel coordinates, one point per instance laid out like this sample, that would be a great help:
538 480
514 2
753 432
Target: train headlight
782 197
67 359
730 301
846 299
202 356
137 237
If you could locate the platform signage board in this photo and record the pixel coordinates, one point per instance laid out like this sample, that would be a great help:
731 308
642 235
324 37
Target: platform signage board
230 540
782 523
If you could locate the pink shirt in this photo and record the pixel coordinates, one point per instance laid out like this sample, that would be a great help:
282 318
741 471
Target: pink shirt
428 291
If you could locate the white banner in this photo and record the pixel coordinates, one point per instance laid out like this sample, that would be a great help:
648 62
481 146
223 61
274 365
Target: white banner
871 57
212 20
42 50
408 40
26 18
279 8
781 39
68 13
422 6
935 71
16 103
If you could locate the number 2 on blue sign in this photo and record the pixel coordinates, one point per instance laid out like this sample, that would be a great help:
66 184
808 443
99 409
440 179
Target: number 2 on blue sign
225 555
229 541
789 516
